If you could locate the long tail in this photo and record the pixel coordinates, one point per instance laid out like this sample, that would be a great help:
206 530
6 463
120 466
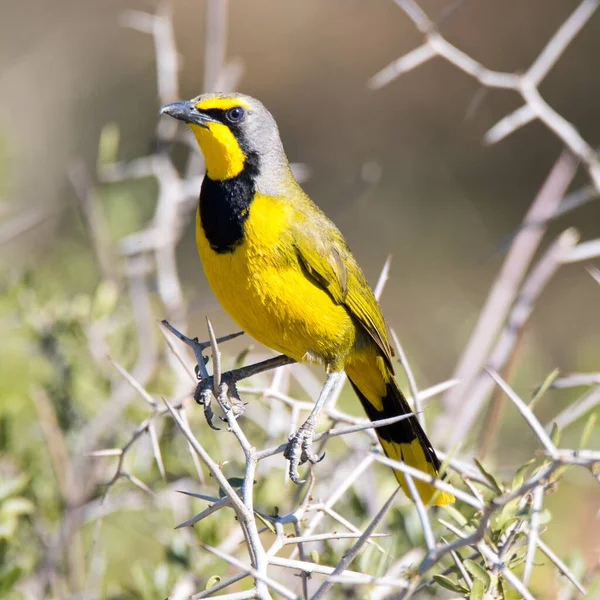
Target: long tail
374 384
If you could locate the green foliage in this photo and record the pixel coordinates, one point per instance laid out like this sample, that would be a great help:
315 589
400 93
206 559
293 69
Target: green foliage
14 509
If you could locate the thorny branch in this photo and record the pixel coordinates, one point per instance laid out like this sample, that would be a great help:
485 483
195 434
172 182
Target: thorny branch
476 542
547 205
263 554
525 84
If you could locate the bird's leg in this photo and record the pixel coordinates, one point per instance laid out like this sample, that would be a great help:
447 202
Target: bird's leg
298 450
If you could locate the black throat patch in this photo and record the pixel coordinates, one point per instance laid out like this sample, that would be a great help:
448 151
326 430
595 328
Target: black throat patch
225 205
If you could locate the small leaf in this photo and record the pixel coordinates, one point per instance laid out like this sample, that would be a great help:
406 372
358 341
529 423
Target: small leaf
558 473
545 517
517 558
543 388
447 583
212 581
488 476
314 556
587 431
266 523
105 299
555 434
508 512
477 590
241 357
8 577
12 487
478 572
519 477
17 506
493 581
236 482
455 514
108 146
8 528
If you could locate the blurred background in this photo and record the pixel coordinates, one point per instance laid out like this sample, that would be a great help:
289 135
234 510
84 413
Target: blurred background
401 170
443 203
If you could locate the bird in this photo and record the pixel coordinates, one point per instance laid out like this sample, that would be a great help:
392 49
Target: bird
285 274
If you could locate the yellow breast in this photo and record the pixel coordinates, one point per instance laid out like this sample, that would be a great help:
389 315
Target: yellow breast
264 289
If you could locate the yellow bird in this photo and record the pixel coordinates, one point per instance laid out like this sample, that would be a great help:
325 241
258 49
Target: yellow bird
284 273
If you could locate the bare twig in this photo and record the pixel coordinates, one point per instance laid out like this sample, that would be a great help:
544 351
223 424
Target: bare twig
502 295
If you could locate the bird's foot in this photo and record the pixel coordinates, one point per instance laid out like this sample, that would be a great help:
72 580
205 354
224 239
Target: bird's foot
227 396
298 450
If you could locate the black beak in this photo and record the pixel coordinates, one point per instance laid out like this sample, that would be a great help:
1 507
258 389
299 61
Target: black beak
187 112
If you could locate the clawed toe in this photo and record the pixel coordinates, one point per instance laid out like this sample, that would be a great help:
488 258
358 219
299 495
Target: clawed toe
298 451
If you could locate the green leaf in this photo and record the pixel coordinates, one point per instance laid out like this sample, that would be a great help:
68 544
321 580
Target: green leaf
212 581
517 558
455 514
519 477
241 357
17 506
555 434
266 522
108 146
105 299
314 556
587 431
447 583
545 516
558 473
8 578
507 514
477 590
8 526
543 388
12 487
488 476
493 581
478 572
236 482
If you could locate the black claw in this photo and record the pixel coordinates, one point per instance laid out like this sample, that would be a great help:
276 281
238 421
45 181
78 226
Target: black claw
319 458
209 415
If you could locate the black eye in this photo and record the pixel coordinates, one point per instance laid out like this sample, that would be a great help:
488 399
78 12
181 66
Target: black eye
235 114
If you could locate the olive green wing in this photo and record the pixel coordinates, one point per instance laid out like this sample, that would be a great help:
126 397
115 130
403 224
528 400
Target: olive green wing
324 254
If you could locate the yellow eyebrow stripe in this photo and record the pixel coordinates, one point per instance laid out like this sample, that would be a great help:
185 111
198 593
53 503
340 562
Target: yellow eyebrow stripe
222 103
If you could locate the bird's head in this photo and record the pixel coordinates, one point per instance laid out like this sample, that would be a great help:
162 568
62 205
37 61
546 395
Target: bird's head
234 132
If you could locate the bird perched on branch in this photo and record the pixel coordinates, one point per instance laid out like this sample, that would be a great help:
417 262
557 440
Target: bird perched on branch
284 273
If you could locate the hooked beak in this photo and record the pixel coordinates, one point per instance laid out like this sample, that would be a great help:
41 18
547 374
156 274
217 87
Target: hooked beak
187 112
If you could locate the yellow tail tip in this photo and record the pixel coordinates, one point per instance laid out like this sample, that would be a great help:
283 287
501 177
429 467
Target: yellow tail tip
412 454
428 493
444 498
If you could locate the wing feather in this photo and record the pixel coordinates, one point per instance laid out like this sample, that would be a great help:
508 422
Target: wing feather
328 260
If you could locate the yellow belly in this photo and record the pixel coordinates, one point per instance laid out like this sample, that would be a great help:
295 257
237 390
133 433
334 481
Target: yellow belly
266 292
